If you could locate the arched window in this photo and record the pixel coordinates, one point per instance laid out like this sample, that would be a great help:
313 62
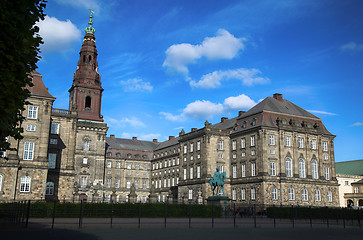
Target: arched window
288 167
86 145
88 102
304 194
301 168
49 188
314 169
317 195
1 182
291 193
84 59
89 59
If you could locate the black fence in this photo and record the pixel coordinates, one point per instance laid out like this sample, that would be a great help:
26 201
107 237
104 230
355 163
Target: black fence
41 214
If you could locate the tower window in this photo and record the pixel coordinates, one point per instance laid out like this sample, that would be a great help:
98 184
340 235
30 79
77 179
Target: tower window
84 59
88 102
89 59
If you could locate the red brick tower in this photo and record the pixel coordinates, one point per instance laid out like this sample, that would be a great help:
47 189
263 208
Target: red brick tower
86 92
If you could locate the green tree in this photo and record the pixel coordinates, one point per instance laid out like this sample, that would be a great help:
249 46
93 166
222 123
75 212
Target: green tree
19 53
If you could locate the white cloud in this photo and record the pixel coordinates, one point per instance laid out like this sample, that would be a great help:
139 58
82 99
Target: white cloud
85 4
240 102
357 124
57 35
321 112
248 77
136 85
125 122
222 46
149 136
202 109
352 47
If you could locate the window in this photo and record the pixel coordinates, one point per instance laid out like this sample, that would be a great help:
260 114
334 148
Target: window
220 145
300 143
128 183
28 151
272 151
243 142
220 155
273 168
191 173
304 194
221 168
243 154
185 149
326 157
168 182
288 165
52 160
185 174
198 171
129 166
253 194
346 183
313 144
291 194
243 170
325 146
108 172
253 142
327 175
86 145
25 184
301 168
254 121
234 171
88 102
32 112
173 182
191 147
253 152
1 182
317 195
117 183
191 158
53 141
109 164
234 156
185 159
137 166
356 189
244 124
144 183
54 128
49 188
288 141
136 183
234 145
30 128
190 194
253 169
243 194
198 146
234 194
274 194
83 181
329 196
118 165
272 140
314 169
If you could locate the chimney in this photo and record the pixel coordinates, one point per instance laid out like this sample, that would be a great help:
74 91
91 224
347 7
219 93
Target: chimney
134 138
112 136
194 129
171 137
278 96
155 140
223 119
240 113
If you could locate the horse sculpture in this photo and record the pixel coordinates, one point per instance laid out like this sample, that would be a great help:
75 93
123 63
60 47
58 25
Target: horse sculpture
217 181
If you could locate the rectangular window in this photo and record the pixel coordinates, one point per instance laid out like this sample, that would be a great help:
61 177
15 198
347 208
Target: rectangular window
185 149
234 171
185 174
234 145
253 169
243 143
313 144
86 145
327 175
53 141
346 183
272 140
325 146
191 158
108 182
234 194
220 145
330 196
54 128
356 189
128 183
288 141
117 183
25 184
272 151
274 193
234 156
109 164
136 183
191 147
191 173
32 112
273 168
243 170
128 166
190 194
253 194
198 146
253 141
253 152
83 181
28 151
304 194
144 183
243 194
30 128
52 159
118 165
300 143
198 171
243 154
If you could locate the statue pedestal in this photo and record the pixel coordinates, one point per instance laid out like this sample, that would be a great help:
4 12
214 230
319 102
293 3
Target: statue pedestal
220 200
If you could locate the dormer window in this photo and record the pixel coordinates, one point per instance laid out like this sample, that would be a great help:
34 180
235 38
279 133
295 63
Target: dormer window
254 121
244 124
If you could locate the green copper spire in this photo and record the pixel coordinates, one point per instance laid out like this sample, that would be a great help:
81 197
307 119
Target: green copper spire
90 29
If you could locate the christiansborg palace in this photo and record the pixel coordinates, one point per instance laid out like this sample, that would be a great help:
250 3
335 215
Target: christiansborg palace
274 153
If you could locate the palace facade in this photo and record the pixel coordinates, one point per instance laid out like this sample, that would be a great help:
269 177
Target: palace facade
275 153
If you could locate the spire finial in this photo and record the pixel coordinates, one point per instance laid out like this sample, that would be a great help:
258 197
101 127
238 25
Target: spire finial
90 29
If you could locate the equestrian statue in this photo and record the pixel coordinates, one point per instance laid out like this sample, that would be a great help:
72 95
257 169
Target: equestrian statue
217 181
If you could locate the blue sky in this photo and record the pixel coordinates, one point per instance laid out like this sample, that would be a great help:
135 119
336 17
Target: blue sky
167 65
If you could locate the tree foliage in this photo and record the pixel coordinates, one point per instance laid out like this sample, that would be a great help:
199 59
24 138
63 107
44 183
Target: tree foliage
19 49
